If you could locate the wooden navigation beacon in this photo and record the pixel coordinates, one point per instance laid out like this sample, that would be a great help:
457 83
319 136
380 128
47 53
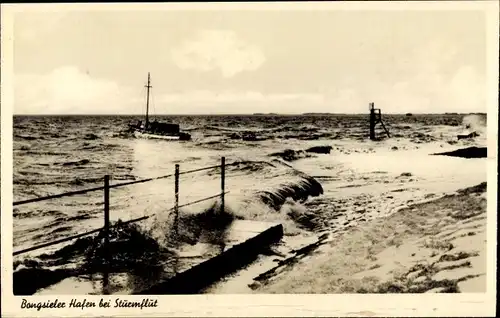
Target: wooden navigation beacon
375 118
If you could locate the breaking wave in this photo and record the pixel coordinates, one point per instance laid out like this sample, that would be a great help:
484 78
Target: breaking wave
135 245
475 122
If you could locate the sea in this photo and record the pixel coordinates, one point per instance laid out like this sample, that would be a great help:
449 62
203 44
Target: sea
292 169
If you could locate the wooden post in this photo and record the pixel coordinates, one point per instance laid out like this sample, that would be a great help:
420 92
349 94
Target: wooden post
372 121
105 283
176 208
222 182
147 102
176 217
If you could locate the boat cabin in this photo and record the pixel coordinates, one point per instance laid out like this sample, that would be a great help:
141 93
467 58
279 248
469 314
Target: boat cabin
163 128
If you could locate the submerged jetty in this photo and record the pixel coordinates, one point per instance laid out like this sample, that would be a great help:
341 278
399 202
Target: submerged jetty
244 242
196 266
468 153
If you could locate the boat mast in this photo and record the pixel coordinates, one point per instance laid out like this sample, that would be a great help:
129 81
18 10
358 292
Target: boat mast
147 101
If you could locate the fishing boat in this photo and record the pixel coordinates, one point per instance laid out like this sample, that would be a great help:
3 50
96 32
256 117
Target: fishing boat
155 129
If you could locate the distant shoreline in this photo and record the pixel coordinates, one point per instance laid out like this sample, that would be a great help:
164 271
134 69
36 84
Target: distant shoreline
254 114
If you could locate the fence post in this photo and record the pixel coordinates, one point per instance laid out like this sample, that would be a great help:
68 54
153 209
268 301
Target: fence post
222 182
105 283
176 219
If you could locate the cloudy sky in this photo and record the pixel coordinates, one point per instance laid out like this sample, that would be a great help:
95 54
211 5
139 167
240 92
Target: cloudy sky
245 61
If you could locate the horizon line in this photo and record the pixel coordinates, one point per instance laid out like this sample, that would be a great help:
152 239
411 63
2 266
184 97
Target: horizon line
256 114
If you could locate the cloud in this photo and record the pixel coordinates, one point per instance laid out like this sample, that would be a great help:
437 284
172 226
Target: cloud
468 89
431 79
461 91
219 50
235 102
444 81
67 90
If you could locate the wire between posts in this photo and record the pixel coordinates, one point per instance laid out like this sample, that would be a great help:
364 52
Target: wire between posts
117 185
36 247
106 189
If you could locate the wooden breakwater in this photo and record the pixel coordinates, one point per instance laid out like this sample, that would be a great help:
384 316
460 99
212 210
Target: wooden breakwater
247 239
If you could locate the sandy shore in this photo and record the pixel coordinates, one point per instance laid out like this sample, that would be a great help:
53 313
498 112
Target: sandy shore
438 246
388 222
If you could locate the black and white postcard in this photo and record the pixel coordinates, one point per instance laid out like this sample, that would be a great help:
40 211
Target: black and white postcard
249 159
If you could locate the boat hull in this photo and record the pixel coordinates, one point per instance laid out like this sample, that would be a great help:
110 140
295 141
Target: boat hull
143 135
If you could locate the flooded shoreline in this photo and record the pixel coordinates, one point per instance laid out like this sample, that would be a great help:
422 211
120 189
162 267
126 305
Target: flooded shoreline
311 187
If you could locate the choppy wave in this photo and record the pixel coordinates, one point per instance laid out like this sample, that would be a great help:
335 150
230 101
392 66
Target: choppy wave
25 137
74 163
54 155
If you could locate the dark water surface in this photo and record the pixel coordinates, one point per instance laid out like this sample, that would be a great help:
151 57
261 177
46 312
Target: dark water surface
55 154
